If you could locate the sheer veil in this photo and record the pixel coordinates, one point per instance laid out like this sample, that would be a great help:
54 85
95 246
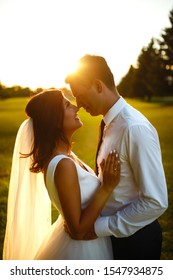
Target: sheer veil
29 207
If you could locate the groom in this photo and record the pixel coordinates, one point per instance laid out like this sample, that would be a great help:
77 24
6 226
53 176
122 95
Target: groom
130 215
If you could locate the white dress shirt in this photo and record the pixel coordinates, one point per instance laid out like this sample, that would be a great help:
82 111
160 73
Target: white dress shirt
141 195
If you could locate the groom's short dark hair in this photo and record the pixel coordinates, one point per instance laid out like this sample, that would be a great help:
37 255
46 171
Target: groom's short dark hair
92 67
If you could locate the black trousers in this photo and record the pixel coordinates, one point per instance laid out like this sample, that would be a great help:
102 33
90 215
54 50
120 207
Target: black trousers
145 244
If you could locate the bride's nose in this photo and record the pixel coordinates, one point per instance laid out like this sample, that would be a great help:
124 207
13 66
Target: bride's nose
76 108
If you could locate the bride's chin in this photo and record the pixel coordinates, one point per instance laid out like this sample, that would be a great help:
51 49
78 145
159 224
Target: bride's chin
80 123
79 126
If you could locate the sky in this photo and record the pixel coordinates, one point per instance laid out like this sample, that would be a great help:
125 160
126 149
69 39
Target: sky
42 40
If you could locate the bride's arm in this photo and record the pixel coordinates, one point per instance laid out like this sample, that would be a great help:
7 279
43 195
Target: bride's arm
66 180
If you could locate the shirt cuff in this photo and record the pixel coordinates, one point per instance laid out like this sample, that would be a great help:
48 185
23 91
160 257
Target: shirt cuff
101 227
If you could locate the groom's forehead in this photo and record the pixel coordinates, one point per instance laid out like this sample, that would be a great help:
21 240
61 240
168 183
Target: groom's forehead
77 88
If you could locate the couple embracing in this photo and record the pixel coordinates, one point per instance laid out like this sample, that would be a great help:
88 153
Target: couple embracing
107 214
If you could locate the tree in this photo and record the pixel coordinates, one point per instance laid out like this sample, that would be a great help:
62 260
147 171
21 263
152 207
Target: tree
166 53
126 85
154 72
145 80
149 76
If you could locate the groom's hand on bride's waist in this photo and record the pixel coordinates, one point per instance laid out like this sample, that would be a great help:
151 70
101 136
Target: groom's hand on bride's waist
90 235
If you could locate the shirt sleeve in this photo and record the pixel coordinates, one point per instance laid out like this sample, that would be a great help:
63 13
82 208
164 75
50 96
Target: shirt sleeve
144 157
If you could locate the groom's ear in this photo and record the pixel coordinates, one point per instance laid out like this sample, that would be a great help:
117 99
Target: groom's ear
98 85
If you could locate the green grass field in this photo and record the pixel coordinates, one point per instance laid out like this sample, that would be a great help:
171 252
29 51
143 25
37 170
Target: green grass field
84 145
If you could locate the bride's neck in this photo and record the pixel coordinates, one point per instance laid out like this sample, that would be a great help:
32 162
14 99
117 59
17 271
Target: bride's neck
62 148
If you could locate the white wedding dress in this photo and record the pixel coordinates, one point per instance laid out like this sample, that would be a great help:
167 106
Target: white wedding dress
58 245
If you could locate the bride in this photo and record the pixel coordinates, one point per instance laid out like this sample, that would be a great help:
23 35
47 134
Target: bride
45 171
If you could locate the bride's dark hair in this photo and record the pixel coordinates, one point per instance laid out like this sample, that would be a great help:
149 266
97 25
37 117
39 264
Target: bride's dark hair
47 113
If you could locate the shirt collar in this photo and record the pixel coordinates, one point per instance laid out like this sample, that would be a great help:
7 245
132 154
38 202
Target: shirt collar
114 110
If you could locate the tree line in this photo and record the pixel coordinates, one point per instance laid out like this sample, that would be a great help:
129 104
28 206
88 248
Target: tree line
18 91
153 74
